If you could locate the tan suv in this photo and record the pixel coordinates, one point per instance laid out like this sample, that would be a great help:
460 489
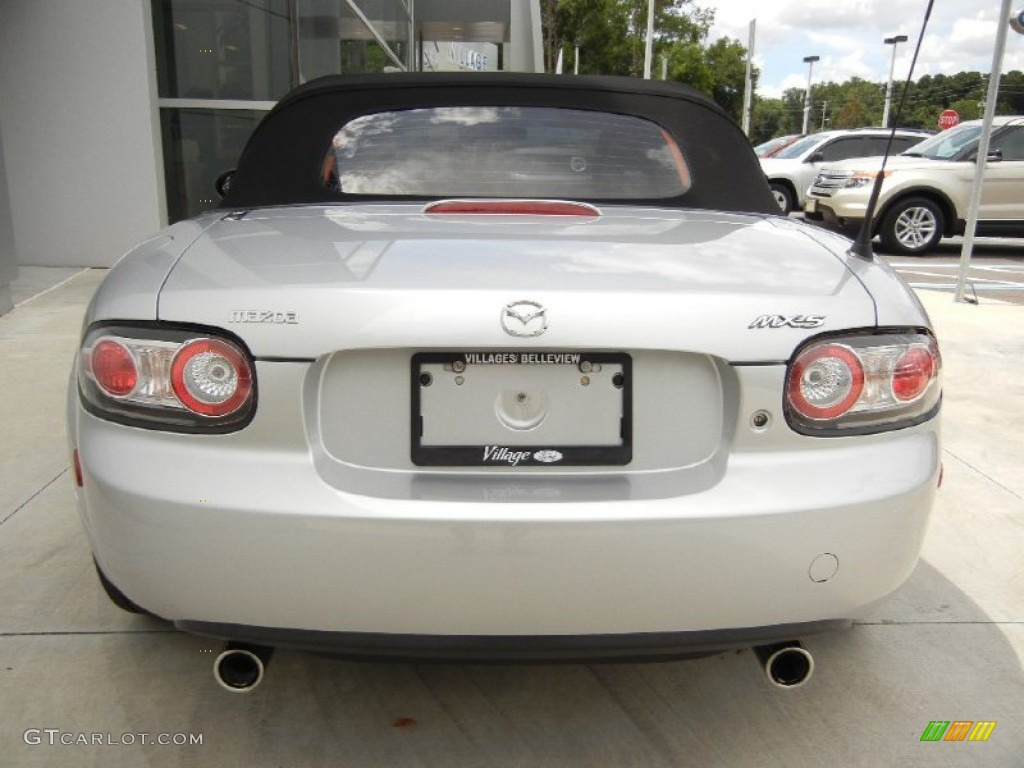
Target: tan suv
792 169
926 190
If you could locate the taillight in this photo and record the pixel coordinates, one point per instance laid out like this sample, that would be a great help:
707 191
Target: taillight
826 381
863 383
166 378
211 377
113 367
913 371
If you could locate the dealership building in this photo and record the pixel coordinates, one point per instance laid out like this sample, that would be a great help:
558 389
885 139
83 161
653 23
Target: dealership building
116 116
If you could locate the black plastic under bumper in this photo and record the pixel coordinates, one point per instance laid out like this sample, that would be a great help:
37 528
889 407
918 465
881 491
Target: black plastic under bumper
826 217
620 647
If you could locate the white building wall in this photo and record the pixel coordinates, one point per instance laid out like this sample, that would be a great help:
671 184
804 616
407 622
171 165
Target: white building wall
81 137
526 49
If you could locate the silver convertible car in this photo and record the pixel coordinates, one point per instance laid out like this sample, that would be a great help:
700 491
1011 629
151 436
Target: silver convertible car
502 366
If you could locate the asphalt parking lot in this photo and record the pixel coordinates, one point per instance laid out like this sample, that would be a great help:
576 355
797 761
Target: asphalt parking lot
949 646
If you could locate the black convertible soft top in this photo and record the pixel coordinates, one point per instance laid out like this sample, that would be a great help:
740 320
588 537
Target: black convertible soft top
282 163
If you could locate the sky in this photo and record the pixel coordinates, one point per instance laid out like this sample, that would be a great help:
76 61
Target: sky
848 35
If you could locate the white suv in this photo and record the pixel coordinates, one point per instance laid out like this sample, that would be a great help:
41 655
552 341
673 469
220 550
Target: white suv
791 170
926 190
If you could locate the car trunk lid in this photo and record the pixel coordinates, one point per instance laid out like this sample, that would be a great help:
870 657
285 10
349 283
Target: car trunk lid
304 282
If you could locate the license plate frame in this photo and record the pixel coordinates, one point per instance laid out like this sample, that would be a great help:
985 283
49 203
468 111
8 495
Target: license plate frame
524 453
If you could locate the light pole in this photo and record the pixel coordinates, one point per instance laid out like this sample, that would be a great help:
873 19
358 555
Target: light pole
809 61
576 58
649 45
893 41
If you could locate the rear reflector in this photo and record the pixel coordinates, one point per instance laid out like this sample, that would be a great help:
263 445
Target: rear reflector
513 207
77 464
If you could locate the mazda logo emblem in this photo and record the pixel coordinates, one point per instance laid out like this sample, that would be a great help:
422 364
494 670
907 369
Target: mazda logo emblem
524 318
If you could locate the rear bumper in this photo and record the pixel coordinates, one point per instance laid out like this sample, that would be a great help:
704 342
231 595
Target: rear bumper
211 536
826 216
621 647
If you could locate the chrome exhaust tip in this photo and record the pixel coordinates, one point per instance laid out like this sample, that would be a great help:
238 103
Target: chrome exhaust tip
786 665
240 668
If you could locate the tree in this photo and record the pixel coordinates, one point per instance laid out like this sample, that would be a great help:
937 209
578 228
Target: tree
853 114
604 30
769 120
718 70
968 109
611 34
1011 93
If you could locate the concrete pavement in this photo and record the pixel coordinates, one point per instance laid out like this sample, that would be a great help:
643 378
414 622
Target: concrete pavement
996 269
948 646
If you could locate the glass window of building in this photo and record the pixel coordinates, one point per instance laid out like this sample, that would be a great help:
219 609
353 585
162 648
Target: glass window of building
335 36
223 49
222 64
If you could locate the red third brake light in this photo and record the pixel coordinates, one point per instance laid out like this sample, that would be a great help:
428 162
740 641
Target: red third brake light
113 368
211 377
520 207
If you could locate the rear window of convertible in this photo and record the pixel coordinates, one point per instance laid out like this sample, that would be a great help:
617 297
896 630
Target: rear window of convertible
505 152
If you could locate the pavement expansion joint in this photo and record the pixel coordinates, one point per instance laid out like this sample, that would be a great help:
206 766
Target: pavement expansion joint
27 501
987 477
52 288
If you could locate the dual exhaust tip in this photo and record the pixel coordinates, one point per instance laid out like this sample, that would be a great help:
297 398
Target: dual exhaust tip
786 665
240 668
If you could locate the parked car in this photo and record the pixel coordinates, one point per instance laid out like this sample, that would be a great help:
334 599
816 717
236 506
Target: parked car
423 386
772 146
793 169
926 191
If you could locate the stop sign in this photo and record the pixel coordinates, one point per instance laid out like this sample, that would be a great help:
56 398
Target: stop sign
948 119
